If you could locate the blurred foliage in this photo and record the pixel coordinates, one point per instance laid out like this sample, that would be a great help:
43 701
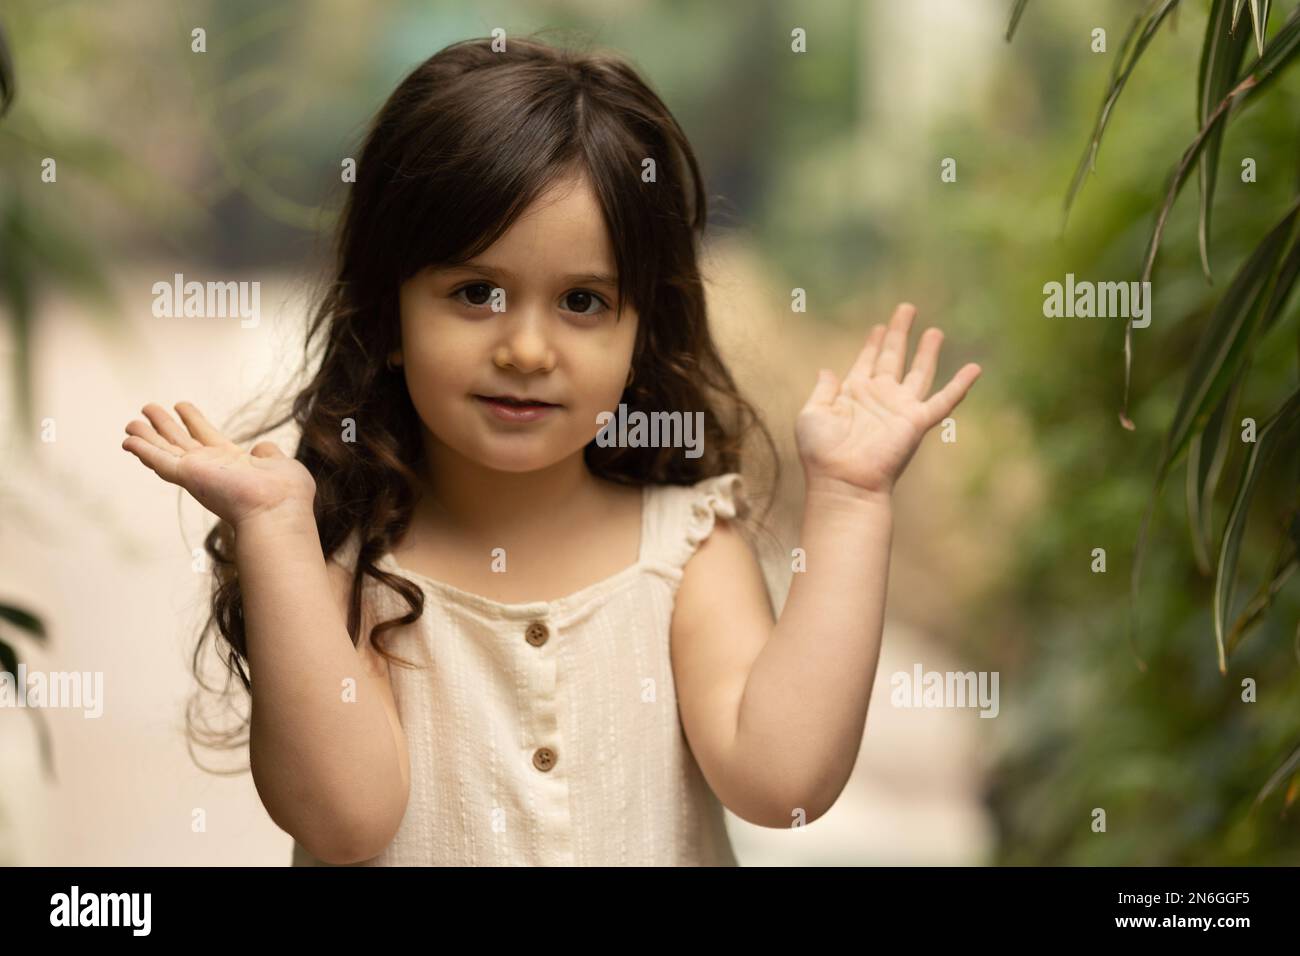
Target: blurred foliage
31 625
15 293
1160 737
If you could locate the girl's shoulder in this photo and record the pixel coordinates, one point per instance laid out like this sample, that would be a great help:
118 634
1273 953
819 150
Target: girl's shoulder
678 518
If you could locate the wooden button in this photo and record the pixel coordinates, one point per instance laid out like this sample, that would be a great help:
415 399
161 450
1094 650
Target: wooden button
537 633
543 758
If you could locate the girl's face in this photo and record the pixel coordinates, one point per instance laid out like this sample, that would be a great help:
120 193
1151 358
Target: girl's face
532 317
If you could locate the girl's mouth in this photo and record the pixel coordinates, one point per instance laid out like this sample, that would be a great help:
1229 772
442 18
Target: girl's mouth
510 409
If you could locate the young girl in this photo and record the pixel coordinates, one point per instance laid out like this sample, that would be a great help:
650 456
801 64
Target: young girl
473 633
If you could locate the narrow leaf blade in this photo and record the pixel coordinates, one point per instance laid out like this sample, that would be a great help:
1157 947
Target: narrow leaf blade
1221 56
1144 26
1275 433
1016 11
1206 455
23 620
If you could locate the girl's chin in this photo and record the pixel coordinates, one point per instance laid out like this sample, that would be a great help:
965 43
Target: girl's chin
522 459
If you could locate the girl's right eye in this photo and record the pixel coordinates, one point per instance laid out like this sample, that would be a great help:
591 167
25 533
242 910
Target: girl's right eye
474 288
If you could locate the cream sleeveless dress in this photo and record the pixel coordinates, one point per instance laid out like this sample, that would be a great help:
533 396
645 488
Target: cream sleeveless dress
547 733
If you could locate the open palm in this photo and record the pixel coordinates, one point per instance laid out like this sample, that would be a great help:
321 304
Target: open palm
861 433
231 483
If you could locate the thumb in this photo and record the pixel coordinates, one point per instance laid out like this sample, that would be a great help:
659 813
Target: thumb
826 388
267 449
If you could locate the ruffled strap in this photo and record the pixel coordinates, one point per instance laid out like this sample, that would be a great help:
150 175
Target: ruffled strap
683 516
346 553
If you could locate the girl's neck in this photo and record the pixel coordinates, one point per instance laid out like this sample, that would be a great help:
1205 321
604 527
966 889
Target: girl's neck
469 499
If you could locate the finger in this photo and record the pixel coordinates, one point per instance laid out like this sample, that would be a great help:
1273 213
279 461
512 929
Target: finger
824 391
198 425
164 463
866 360
267 449
146 431
894 349
168 428
942 402
921 376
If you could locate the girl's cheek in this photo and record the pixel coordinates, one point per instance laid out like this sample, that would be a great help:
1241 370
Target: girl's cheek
433 344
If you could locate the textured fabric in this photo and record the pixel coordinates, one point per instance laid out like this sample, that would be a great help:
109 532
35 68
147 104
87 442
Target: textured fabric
624 788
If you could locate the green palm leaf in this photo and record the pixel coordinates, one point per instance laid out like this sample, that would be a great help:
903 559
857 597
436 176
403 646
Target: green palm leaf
1250 305
1258 15
1206 455
1278 432
1284 565
1221 56
1144 27
1289 766
1280 53
1016 11
1247 310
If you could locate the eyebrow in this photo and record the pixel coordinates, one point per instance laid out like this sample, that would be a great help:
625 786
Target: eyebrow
604 278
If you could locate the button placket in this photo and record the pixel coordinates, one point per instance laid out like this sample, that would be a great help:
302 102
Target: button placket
542 671
540 663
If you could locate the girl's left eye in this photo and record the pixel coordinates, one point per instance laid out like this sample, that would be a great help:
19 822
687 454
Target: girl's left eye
585 299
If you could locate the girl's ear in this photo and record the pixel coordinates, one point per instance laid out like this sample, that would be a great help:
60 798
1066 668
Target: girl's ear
395 358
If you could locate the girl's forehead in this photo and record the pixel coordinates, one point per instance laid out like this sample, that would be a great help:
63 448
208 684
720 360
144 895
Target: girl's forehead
570 207
562 232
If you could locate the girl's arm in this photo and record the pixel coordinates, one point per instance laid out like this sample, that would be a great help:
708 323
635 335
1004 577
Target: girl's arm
775 713
327 752
330 766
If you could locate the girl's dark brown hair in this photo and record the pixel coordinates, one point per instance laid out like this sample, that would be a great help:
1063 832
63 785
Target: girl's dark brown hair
466 142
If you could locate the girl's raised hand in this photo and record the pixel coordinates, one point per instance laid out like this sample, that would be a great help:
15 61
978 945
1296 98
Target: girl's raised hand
856 437
233 484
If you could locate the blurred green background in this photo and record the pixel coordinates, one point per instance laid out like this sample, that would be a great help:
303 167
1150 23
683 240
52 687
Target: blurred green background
823 170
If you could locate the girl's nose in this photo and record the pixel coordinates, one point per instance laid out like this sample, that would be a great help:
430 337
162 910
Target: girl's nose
525 347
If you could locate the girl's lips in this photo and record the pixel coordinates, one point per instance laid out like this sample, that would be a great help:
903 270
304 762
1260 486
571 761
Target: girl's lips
515 413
